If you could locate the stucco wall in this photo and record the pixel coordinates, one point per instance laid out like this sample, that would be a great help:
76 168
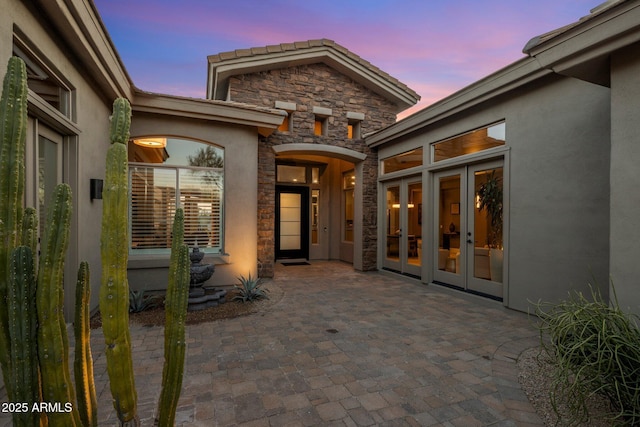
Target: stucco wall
240 199
559 191
625 177
557 178
87 150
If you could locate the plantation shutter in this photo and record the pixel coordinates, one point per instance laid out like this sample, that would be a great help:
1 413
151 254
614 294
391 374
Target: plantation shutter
154 192
201 198
153 204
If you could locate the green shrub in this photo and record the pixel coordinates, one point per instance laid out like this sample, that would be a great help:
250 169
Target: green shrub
250 289
595 348
138 301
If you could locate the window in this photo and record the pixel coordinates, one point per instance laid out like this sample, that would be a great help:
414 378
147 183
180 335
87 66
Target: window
320 126
402 161
470 142
321 121
315 207
291 174
289 108
286 125
43 80
166 173
348 185
353 125
353 129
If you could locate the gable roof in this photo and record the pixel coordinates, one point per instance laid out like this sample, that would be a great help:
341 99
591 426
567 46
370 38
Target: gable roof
582 48
243 61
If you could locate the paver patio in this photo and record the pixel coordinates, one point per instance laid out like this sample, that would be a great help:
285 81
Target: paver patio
343 348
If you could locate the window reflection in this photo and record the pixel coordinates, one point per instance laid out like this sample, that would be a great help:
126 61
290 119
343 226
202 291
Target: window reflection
471 142
403 161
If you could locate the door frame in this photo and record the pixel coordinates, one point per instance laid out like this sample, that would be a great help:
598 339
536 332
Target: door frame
303 252
465 279
401 240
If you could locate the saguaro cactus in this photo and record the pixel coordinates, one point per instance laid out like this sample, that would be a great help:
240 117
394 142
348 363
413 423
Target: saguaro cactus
53 343
174 331
23 333
83 362
13 121
114 289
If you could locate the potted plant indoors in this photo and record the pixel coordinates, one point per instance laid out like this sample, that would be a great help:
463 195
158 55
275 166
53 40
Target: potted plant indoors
490 196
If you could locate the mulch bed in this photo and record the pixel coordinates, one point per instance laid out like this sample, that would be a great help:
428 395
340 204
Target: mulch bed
156 316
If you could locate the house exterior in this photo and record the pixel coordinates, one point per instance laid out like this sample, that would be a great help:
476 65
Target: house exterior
296 154
317 159
559 131
74 76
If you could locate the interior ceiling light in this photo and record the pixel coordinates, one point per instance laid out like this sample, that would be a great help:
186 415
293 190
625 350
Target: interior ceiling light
151 142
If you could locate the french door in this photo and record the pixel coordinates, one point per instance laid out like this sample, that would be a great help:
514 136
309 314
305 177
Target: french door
403 226
292 222
468 250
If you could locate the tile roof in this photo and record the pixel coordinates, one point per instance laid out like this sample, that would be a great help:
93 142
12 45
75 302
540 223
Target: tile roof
543 38
307 45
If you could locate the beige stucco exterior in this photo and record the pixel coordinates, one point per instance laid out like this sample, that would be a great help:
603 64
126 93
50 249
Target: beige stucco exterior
570 159
96 77
556 211
572 139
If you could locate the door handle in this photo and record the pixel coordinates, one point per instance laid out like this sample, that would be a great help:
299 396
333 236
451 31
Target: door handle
469 241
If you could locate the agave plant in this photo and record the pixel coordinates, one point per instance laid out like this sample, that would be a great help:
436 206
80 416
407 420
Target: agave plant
138 301
250 289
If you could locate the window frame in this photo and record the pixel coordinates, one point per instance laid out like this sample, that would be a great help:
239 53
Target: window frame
177 202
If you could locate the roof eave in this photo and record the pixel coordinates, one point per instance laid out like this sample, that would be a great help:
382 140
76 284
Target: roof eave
582 49
220 72
264 119
79 23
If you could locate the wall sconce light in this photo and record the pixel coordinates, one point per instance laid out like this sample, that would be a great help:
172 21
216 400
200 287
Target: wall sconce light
95 188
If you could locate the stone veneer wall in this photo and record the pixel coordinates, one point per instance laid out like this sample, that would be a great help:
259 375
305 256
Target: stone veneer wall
308 86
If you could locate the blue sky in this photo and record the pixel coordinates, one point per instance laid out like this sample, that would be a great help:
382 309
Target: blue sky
436 47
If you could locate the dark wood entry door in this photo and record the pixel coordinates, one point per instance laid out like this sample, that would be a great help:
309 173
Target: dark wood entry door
292 222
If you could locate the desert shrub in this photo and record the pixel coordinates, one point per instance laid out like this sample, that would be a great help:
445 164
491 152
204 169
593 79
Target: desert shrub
139 301
250 289
595 348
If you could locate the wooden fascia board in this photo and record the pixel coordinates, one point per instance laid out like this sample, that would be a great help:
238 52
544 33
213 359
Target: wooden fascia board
509 78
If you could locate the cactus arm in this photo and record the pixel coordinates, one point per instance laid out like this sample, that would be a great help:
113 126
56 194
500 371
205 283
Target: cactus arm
174 332
53 349
23 334
13 122
30 230
83 362
114 288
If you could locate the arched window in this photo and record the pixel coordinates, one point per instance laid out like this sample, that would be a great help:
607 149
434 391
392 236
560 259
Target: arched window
165 173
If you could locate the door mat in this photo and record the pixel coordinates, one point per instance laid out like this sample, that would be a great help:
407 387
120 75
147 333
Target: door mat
287 264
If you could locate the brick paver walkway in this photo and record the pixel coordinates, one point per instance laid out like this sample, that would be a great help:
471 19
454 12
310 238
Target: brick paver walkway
344 348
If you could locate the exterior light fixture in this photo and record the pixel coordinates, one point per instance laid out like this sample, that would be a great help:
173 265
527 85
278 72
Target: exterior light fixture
151 142
95 189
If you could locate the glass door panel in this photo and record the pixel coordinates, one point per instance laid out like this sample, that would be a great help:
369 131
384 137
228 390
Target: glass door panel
468 246
449 223
403 226
49 174
413 244
485 217
393 231
292 222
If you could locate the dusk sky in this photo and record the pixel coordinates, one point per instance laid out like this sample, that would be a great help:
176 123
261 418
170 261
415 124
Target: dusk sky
436 47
